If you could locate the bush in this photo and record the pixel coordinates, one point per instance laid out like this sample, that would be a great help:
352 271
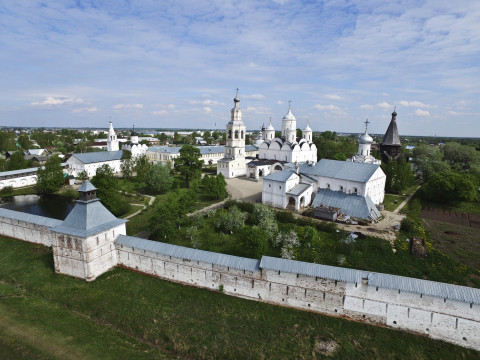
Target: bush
285 217
6 190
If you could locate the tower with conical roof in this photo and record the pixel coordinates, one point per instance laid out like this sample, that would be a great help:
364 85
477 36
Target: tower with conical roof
112 141
269 132
391 146
233 163
307 133
84 243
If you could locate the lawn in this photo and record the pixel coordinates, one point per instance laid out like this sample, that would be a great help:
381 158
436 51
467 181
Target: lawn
459 242
126 315
392 201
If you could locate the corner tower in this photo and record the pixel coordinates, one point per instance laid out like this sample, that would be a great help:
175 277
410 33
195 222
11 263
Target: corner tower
233 163
83 246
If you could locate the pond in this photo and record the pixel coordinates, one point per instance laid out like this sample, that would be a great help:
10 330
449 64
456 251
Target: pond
52 206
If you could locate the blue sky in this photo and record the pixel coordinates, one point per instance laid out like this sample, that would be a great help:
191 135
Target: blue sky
177 64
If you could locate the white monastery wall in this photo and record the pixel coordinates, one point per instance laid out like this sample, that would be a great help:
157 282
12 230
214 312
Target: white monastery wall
21 181
26 230
445 319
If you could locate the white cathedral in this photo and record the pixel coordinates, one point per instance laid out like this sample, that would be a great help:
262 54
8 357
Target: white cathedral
134 146
292 177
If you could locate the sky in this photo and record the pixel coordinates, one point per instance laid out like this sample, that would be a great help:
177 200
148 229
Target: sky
177 64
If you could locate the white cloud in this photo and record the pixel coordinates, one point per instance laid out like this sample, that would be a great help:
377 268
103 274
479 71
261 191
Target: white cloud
384 105
79 110
159 112
366 107
128 107
171 106
254 97
420 112
279 102
57 101
417 104
326 107
333 97
208 102
207 109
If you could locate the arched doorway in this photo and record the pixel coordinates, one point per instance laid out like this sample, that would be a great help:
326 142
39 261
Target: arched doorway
260 173
291 203
278 167
302 202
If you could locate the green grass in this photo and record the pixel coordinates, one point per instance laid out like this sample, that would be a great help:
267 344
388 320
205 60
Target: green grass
22 191
391 201
126 315
459 242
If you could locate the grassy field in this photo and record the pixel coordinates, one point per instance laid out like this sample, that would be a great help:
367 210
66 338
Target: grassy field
392 201
459 242
125 315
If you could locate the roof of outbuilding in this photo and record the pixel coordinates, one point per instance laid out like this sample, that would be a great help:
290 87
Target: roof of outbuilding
181 252
349 204
340 170
280 175
299 189
99 156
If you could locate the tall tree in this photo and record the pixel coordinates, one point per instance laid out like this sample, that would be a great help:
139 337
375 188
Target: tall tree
17 161
141 167
159 179
24 142
188 163
50 178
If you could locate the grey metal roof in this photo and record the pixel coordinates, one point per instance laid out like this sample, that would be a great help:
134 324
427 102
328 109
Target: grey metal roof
426 287
280 175
86 186
24 171
340 170
88 218
188 253
309 269
349 204
30 218
391 136
299 189
99 156
250 148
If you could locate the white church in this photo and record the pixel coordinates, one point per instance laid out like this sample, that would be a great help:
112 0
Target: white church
134 146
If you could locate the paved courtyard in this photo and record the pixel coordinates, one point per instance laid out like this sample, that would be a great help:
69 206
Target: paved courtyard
245 189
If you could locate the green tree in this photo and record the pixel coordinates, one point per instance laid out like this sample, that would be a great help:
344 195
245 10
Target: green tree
399 176
141 167
126 165
158 179
215 187
107 184
253 242
429 160
24 142
82 176
461 157
50 178
7 141
17 161
230 221
188 164
264 217
450 187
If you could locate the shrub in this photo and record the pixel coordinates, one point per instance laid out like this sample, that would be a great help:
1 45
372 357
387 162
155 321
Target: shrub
285 217
6 190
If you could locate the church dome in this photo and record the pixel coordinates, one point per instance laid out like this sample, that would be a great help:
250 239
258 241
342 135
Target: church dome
307 128
289 115
365 139
270 127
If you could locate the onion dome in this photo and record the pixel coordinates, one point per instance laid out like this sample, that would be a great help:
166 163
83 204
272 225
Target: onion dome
365 139
289 115
307 128
236 99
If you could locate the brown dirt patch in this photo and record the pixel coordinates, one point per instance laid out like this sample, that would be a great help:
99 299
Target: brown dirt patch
325 346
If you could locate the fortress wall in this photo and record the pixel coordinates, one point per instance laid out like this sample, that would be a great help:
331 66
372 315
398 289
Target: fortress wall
445 319
25 230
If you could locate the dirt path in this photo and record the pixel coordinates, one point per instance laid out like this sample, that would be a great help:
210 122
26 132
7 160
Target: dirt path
404 202
48 345
150 202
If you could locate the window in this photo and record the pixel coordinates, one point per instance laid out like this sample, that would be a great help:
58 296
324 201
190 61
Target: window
242 134
229 134
236 134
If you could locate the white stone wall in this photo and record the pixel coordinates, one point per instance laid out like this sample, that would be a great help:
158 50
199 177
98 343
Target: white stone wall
26 231
20 181
447 320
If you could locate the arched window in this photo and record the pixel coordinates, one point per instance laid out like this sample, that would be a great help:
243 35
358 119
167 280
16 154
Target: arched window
229 134
236 134
241 135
